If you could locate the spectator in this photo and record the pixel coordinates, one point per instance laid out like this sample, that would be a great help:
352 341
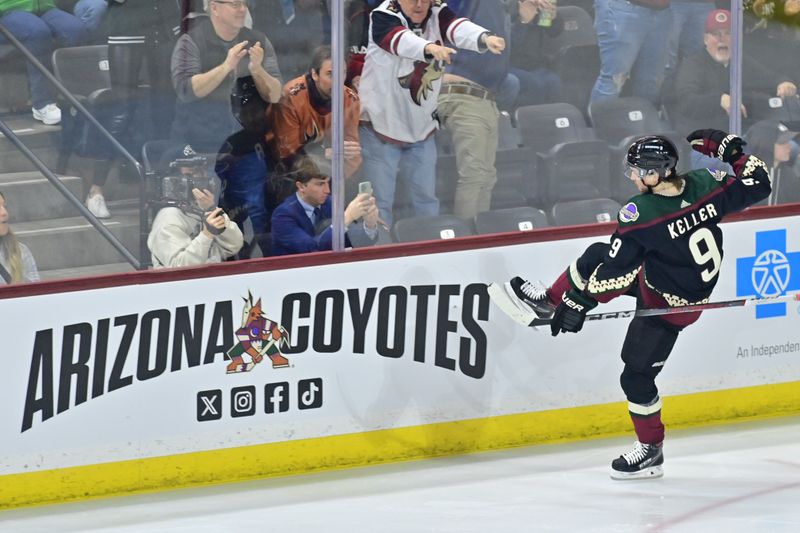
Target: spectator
242 164
299 224
137 31
702 84
205 64
295 28
631 37
772 142
770 25
538 83
467 108
41 27
399 90
303 115
16 261
688 26
357 18
90 12
193 231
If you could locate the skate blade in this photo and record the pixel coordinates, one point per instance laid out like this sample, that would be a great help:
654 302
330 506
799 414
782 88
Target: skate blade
648 473
503 301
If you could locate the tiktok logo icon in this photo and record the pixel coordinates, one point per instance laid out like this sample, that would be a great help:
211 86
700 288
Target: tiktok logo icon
279 397
309 393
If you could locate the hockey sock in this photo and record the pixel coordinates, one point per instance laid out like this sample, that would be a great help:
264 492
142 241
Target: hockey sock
647 422
558 288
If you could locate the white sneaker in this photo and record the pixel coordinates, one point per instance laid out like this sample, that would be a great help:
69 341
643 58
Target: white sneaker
50 114
97 205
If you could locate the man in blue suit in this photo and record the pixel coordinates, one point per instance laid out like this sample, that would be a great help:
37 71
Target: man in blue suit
300 223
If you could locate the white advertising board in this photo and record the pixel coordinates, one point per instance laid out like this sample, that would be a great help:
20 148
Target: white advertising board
135 372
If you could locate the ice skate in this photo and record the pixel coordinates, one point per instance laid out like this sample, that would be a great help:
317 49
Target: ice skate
522 300
643 462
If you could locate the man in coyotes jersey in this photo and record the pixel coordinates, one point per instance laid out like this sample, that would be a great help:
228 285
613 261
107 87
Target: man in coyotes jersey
303 115
667 252
399 89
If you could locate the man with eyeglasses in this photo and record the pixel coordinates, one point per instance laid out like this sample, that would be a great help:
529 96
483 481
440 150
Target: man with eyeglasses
702 82
409 43
206 62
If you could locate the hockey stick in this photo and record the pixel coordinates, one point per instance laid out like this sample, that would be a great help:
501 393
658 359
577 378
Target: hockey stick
527 317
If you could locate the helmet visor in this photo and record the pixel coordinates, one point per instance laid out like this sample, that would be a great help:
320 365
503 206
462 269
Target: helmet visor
631 170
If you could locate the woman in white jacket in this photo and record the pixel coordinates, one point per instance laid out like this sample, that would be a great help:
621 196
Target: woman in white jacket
16 261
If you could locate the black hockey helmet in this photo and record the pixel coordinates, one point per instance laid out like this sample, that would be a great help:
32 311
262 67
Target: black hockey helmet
653 152
249 109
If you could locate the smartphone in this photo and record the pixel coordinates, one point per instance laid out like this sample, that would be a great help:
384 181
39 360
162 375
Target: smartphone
365 187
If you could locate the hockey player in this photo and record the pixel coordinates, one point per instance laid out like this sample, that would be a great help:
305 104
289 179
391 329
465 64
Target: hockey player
666 251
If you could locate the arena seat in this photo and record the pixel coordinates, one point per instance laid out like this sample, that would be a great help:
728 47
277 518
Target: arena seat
523 218
584 212
430 228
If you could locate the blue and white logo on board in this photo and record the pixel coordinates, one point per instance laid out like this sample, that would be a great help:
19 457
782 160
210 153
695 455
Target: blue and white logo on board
769 272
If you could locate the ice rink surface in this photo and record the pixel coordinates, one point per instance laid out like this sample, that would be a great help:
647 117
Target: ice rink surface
726 479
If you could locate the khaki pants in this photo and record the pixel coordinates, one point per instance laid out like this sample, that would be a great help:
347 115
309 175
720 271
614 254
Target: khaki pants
473 123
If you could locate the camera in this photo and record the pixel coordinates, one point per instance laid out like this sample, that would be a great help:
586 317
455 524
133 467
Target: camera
175 188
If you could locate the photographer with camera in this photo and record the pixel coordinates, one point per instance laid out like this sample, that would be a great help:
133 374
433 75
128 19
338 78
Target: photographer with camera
190 229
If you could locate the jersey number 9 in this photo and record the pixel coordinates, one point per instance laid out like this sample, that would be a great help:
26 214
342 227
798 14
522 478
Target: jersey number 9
706 253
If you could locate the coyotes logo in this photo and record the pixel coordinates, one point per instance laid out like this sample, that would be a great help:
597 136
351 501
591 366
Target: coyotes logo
420 80
258 336
312 133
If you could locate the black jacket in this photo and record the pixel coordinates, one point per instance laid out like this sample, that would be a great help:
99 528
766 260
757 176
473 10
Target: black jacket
159 20
700 82
528 43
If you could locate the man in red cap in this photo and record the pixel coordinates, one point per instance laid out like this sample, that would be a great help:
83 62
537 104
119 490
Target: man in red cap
702 84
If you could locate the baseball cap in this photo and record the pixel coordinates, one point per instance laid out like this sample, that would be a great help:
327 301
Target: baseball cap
784 134
769 132
719 19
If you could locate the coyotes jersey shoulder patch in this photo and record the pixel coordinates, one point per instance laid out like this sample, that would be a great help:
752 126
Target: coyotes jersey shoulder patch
718 175
629 213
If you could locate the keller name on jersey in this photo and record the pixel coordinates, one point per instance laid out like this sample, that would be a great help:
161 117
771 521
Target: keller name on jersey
682 225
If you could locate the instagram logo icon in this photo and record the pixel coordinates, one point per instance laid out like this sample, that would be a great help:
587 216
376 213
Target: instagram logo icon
243 401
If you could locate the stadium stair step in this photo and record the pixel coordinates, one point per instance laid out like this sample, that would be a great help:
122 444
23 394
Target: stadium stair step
63 243
43 140
32 197
83 272
71 242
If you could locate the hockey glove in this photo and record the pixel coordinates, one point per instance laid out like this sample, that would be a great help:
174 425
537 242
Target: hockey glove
716 143
571 312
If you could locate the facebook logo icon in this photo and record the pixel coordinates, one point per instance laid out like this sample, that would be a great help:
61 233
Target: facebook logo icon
276 397
768 272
